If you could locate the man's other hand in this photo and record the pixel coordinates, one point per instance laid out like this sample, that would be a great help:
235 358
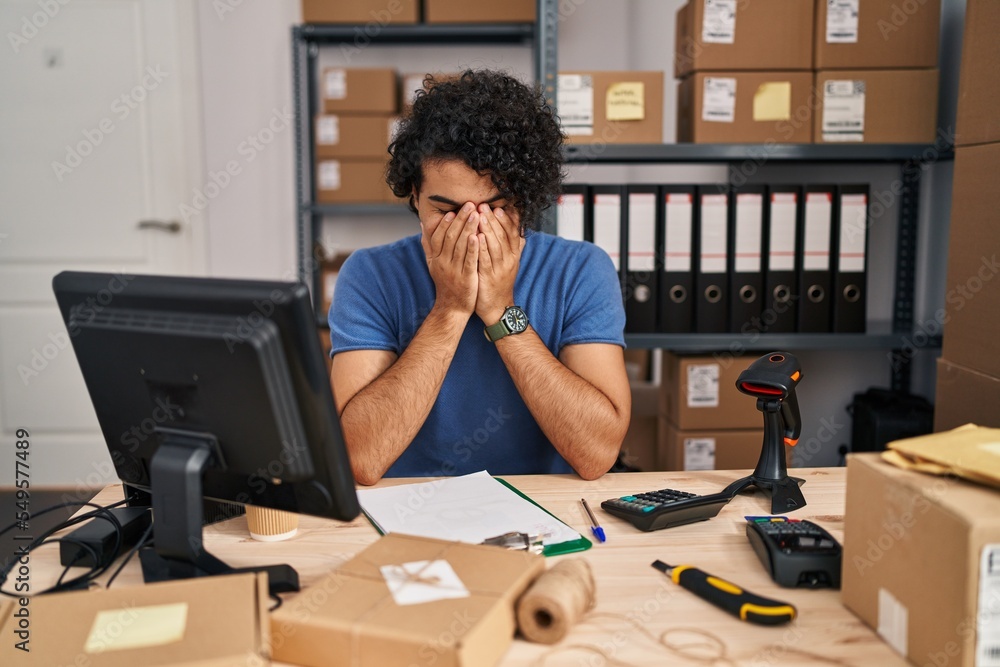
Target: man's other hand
452 250
500 246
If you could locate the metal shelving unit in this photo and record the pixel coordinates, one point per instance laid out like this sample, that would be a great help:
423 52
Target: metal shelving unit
542 36
307 40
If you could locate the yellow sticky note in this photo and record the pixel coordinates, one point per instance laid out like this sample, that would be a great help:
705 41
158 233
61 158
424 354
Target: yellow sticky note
773 101
136 627
626 100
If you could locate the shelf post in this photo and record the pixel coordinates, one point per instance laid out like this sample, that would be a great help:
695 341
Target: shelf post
906 269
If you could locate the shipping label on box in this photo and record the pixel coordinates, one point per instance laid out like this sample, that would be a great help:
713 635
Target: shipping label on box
576 104
718 104
719 22
699 453
703 386
843 110
842 21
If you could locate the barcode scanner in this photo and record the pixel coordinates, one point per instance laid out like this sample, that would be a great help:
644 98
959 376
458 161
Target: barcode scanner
772 380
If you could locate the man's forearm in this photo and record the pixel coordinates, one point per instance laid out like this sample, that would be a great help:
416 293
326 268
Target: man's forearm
382 419
584 425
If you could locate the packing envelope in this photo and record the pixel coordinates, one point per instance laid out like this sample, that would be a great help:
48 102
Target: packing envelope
969 451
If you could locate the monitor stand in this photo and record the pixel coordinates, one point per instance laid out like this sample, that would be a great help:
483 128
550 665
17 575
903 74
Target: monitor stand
178 551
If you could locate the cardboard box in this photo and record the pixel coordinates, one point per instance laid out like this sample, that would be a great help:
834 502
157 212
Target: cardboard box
348 89
965 396
915 558
877 34
463 11
209 622
745 107
352 181
639 447
611 107
876 106
972 296
354 136
979 85
736 449
352 614
379 12
329 270
760 35
699 393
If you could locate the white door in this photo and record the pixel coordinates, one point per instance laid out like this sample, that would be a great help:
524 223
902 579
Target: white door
98 151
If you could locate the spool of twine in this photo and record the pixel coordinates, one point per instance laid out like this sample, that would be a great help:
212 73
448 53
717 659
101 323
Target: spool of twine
556 601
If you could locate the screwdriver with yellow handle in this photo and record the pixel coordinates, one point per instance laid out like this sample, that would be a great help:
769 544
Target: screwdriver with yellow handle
730 597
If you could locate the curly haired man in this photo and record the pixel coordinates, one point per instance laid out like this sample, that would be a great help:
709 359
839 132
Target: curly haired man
479 343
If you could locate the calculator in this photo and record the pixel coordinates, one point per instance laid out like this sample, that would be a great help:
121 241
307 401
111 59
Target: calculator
665 508
795 552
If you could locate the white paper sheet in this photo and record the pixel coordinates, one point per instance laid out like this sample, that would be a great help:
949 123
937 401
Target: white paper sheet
423 581
470 509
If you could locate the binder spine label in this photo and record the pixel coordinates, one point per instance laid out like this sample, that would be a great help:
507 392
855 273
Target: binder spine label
607 226
749 222
713 234
816 239
853 221
570 217
642 232
781 250
677 251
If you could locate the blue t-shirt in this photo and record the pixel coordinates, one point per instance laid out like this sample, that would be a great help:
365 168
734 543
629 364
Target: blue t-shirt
571 294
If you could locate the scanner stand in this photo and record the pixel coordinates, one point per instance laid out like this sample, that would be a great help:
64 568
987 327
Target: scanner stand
771 473
178 551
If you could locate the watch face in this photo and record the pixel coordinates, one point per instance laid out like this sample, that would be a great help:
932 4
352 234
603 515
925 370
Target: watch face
515 319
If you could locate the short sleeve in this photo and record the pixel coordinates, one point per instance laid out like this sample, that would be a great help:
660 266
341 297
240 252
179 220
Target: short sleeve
594 310
360 317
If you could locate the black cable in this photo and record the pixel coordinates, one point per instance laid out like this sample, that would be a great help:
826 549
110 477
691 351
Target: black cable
69 522
95 572
131 552
278 601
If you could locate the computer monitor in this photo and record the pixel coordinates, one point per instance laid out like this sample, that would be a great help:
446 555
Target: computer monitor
209 388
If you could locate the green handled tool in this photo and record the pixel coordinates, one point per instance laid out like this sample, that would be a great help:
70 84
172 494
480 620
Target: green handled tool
730 597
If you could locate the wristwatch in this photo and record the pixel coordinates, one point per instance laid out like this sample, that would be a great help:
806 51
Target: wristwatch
513 321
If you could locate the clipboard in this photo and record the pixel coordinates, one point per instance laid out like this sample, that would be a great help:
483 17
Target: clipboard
572 546
447 513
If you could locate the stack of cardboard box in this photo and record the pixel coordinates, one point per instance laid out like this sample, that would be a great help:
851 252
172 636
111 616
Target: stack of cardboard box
745 71
876 71
378 13
705 423
360 108
968 382
597 107
799 71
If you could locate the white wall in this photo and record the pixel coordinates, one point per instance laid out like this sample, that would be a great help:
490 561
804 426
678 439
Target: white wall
246 75
247 97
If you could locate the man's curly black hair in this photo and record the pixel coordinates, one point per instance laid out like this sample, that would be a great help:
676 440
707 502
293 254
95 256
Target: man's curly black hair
494 124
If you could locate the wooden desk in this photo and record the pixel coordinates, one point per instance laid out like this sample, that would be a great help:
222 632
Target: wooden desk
825 632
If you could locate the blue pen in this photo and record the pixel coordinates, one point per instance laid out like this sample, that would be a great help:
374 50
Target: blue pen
596 528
